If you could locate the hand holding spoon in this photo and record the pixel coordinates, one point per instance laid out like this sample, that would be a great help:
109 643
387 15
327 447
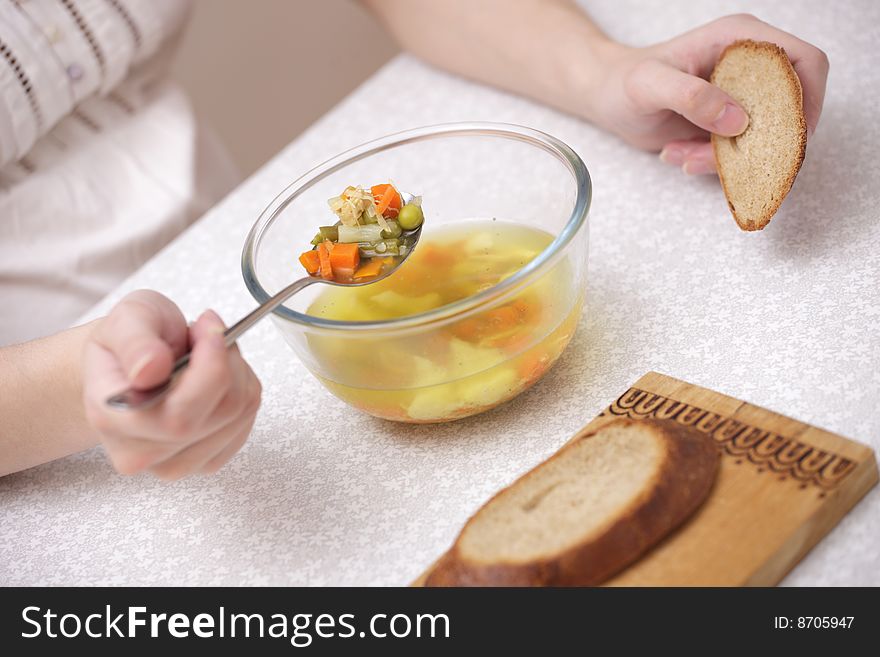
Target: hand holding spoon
132 399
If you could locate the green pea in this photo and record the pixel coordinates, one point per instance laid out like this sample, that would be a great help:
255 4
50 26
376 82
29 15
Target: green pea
410 216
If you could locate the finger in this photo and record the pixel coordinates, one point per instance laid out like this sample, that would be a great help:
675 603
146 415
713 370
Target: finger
243 395
675 152
809 62
242 398
813 74
103 377
133 454
165 431
220 459
193 458
143 332
699 161
208 456
656 86
184 415
205 381
130 455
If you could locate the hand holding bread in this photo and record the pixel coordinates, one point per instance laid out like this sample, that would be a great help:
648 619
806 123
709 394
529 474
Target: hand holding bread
659 97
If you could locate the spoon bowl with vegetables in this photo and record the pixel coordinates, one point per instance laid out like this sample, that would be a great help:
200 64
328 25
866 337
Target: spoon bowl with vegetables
376 231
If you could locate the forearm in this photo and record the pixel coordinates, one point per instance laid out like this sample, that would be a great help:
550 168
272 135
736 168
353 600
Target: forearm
41 409
545 49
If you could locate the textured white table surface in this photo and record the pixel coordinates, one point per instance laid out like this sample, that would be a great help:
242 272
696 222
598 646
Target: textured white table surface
788 319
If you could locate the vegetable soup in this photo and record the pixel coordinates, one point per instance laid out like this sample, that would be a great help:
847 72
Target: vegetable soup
460 368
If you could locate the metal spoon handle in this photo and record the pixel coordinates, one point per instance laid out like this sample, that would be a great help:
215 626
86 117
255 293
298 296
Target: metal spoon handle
138 399
235 331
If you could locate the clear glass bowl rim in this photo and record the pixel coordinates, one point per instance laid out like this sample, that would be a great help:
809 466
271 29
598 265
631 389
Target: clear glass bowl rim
541 263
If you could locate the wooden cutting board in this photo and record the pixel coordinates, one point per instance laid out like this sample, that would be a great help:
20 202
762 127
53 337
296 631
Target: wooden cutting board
782 485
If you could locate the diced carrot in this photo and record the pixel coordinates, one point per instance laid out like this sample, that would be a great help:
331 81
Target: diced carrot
388 201
372 268
385 201
434 346
502 318
345 256
470 329
326 267
498 327
311 261
435 256
522 306
513 343
532 367
378 190
528 311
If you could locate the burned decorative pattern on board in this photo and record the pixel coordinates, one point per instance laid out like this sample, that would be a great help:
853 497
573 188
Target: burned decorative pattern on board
769 450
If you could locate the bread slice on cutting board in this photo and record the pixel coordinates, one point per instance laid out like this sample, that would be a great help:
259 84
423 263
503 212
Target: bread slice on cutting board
589 510
758 167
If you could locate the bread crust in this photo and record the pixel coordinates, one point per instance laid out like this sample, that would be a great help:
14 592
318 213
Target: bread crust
785 186
682 483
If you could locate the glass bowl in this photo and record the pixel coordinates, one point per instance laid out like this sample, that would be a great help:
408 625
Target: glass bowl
440 363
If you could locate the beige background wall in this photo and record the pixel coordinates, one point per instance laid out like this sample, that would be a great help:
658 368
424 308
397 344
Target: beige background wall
261 71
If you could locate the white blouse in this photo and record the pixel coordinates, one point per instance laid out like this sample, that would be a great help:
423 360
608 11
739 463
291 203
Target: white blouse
101 159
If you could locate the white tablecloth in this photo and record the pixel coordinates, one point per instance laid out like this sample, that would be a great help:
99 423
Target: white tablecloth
788 319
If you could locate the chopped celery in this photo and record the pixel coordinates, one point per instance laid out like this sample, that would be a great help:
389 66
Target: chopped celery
329 233
326 233
367 218
370 233
394 229
380 248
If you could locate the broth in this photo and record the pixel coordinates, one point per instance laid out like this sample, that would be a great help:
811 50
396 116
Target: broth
463 367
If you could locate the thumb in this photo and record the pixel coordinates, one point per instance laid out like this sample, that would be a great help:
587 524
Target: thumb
144 332
656 86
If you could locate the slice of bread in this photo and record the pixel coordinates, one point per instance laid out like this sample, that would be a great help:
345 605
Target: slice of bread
758 167
589 510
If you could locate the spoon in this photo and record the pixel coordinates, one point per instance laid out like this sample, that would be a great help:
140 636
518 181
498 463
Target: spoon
132 399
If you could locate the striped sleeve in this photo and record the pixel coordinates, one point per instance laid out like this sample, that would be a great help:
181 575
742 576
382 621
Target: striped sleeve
54 54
